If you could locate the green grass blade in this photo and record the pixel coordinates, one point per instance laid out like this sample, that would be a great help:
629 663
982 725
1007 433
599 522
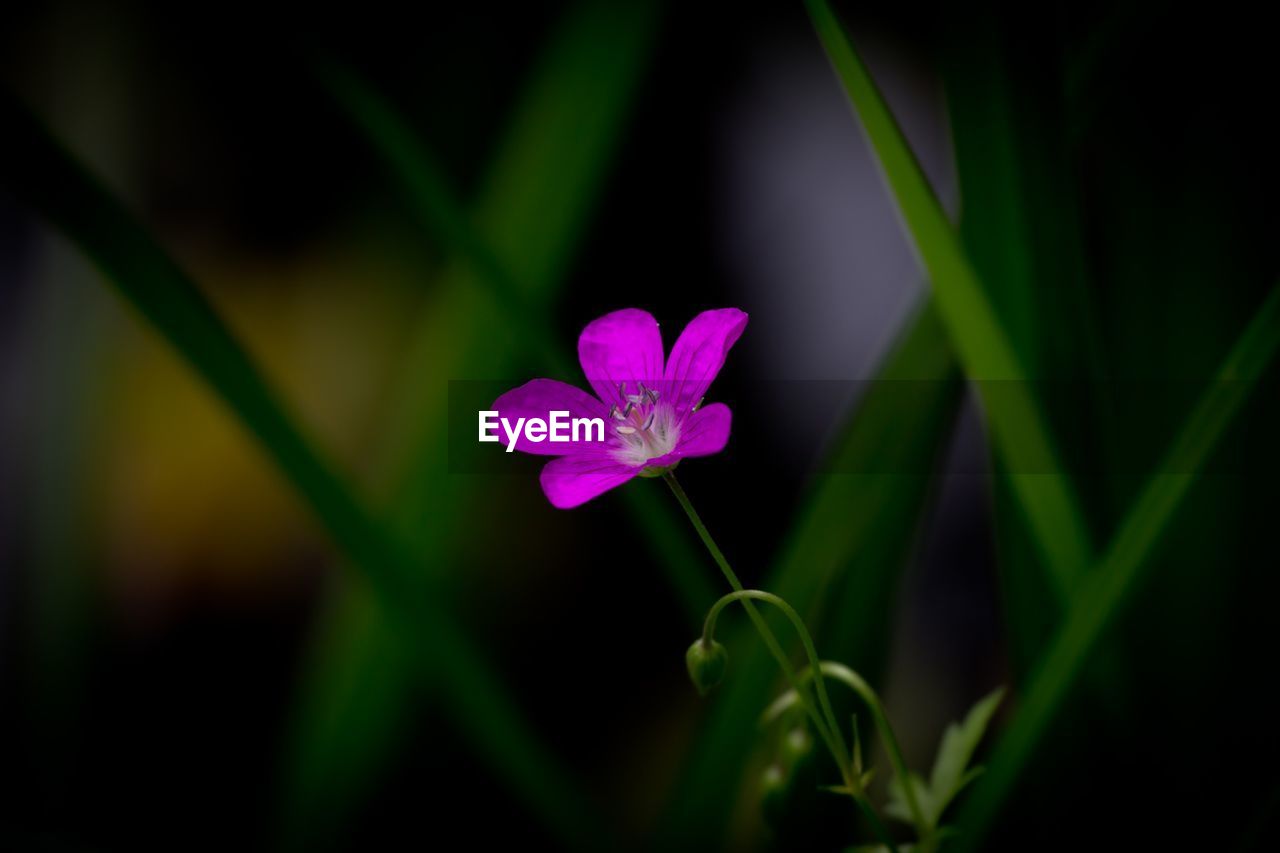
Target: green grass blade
425 185
995 229
1122 569
1018 429
442 215
1021 229
47 178
839 566
349 715
529 218
511 251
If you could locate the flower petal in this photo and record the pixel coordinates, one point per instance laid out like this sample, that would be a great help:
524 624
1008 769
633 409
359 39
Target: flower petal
699 354
705 432
573 480
622 347
537 399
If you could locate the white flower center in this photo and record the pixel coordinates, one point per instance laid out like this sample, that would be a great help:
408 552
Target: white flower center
646 428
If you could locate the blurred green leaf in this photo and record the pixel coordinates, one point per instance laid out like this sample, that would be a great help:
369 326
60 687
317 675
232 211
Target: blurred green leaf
1059 528
435 203
1018 429
511 253
840 564
443 216
951 770
995 228
1122 568
47 178
350 714
1084 85
1021 230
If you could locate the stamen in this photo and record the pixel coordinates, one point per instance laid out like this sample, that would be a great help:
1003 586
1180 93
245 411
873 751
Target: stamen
652 394
646 431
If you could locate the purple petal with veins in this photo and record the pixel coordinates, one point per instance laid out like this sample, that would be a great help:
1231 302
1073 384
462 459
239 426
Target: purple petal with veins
699 353
573 480
619 350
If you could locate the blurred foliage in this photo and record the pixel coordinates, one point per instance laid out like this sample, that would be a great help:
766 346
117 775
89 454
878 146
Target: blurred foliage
952 768
1115 231
1127 560
838 568
509 264
47 178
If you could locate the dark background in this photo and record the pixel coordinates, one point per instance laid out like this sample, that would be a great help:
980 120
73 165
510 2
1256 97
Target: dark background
170 613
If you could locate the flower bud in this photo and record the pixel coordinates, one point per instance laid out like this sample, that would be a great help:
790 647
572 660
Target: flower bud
706 662
775 792
796 744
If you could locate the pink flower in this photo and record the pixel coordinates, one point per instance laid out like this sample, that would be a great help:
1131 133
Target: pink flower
651 410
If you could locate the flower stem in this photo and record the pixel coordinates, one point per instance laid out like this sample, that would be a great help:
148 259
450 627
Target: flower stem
824 700
829 729
798 680
842 673
766 633
716 555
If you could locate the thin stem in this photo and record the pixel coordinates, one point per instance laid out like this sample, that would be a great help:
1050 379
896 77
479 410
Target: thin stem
810 651
830 732
842 673
853 782
716 555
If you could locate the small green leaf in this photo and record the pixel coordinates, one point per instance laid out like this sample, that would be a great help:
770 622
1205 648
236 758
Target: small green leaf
951 771
840 564
951 768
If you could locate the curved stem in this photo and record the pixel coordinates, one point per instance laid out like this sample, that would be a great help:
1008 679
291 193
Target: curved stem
815 664
828 731
844 674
